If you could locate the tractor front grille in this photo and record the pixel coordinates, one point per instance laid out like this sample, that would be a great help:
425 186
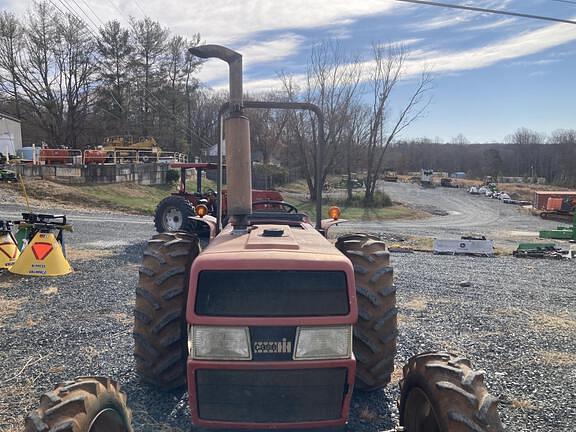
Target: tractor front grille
271 293
271 396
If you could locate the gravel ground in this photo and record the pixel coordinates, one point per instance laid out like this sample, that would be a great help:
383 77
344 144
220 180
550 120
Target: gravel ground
456 213
517 321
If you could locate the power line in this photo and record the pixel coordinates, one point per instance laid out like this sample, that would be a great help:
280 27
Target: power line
492 11
159 103
184 128
565 1
93 57
93 13
85 14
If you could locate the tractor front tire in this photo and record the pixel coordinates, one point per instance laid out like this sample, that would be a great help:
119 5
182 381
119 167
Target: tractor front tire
160 333
440 392
376 332
173 213
87 404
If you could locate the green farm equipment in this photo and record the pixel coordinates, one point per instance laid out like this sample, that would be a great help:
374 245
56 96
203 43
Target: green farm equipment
561 232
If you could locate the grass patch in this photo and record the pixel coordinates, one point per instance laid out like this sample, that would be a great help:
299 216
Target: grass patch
523 404
555 358
131 197
416 304
356 213
89 254
553 322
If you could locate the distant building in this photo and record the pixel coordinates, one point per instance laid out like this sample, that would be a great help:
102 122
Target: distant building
458 175
10 134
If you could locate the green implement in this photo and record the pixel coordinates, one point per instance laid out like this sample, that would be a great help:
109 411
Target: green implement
561 233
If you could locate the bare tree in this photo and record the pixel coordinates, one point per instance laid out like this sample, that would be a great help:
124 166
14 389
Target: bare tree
149 40
460 139
10 45
114 49
386 72
53 72
332 82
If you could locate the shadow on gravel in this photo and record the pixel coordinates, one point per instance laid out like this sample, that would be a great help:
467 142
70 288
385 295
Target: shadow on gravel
133 252
155 410
372 412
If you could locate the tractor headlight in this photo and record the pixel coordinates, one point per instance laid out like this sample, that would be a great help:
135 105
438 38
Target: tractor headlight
332 342
219 343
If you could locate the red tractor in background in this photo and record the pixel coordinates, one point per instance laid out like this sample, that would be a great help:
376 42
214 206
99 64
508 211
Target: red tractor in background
175 212
272 326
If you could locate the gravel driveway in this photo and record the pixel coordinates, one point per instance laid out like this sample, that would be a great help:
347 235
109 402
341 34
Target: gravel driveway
517 321
455 213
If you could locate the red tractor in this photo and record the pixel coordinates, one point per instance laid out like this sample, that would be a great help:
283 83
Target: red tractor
272 326
175 212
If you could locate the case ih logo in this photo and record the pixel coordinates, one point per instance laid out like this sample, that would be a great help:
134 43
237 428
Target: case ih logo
273 347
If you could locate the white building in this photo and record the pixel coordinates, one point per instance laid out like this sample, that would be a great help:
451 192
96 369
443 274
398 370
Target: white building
10 134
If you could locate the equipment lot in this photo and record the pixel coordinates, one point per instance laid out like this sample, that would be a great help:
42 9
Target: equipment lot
517 321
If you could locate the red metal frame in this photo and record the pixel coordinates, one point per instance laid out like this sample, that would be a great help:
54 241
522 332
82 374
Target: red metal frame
270 260
193 365
233 263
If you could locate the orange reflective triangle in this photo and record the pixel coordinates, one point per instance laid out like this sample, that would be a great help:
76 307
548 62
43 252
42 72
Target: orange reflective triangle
9 249
41 250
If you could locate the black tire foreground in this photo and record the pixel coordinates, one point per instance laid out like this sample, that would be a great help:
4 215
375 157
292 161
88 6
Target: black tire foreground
87 404
160 334
376 333
440 392
185 208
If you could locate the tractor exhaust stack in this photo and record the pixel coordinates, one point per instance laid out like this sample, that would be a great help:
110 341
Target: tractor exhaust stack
237 135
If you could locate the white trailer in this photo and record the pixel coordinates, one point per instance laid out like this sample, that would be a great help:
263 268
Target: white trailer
10 135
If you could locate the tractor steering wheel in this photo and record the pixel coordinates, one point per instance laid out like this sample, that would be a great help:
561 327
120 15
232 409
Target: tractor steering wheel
287 207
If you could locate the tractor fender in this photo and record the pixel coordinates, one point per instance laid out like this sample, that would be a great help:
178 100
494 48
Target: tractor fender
210 221
325 224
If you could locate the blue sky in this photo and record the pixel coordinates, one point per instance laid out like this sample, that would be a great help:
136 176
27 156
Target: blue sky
492 74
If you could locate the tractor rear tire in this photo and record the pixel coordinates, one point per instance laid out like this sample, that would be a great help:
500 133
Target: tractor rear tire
172 214
160 332
87 404
376 332
440 392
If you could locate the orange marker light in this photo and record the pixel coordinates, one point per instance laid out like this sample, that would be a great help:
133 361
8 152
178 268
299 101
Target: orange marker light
334 213
201 210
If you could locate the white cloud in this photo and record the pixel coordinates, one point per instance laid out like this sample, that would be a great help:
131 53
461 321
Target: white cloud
511 48
273 50
443 62
231 21
450 18
491 25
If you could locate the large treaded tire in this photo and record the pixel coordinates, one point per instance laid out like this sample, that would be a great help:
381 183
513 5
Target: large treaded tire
180 204
441 392
160 334
376 332
87 404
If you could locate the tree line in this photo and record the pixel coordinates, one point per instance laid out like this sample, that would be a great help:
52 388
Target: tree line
524 153
73 85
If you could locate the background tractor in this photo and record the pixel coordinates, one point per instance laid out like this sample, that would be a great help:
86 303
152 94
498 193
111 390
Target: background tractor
272 326
175 212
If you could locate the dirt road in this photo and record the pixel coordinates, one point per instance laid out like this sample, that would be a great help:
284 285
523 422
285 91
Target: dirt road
455 213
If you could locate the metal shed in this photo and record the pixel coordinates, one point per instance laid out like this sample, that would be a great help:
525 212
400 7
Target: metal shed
10 134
